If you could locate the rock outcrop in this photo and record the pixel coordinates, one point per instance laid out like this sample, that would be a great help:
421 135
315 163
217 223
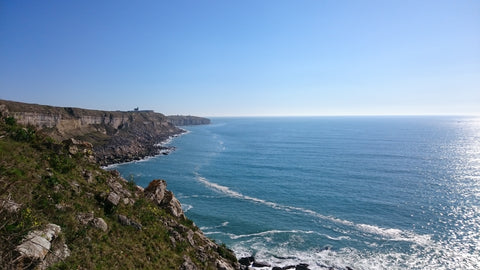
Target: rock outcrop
158 193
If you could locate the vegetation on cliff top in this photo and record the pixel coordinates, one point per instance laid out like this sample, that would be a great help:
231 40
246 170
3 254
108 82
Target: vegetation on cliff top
50 182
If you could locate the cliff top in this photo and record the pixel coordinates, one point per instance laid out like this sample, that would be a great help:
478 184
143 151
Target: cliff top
66 112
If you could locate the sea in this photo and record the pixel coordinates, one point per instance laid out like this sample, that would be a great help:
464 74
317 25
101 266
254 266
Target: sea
383 192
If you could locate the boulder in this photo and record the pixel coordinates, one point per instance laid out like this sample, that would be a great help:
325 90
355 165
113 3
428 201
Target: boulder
188 264
260 264
173 205
59 252
128 222
247 261
85 218
190 235
37 243
99 223
113 198
223 265
88 176
10 206
302 266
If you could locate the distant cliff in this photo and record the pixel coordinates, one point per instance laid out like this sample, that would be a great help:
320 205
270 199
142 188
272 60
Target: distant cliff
187 120
116 136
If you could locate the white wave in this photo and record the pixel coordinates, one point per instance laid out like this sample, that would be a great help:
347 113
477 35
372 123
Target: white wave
270 233
186 207
389 233
113 166
169 140
224 224
431 259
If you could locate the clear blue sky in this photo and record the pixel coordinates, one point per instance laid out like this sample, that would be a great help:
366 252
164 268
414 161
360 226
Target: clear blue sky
223 58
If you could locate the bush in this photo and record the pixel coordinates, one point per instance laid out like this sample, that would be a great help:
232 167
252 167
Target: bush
10 121
61 163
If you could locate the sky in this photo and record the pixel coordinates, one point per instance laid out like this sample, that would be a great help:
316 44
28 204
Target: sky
244 58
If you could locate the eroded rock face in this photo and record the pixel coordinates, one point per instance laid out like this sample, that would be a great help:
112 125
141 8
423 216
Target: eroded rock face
158 193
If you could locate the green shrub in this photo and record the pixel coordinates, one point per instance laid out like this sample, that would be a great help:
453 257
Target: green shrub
61 163
10 121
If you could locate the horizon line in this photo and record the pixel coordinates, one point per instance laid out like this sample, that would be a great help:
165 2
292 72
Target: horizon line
341 115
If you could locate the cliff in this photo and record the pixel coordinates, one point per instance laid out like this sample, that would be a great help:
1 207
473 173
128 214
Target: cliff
187 120
59 209
116 136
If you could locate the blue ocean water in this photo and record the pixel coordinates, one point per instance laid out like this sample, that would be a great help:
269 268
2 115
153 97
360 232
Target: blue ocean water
363 192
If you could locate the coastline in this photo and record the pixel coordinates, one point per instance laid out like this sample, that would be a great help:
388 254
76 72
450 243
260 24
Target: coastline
164 149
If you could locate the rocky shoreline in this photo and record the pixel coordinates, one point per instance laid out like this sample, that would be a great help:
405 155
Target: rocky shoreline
251 262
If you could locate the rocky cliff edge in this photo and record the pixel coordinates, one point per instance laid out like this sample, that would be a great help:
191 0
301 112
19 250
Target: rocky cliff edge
116 136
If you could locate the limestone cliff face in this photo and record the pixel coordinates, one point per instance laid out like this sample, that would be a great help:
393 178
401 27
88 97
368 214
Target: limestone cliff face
116 136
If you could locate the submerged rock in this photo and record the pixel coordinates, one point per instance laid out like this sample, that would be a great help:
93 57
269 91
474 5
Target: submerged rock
247 261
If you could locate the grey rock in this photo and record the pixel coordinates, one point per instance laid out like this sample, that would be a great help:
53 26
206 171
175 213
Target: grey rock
10 206
75 187
190 234
188 264
302 266
85 218
223 265
113 198
247 261
58 253
260 264
37 243
158 193
99 223
128 222
88 176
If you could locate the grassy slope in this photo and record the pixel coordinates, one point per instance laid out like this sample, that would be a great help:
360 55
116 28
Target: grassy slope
41 175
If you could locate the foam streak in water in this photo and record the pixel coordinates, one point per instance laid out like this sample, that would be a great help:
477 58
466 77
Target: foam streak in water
388 233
